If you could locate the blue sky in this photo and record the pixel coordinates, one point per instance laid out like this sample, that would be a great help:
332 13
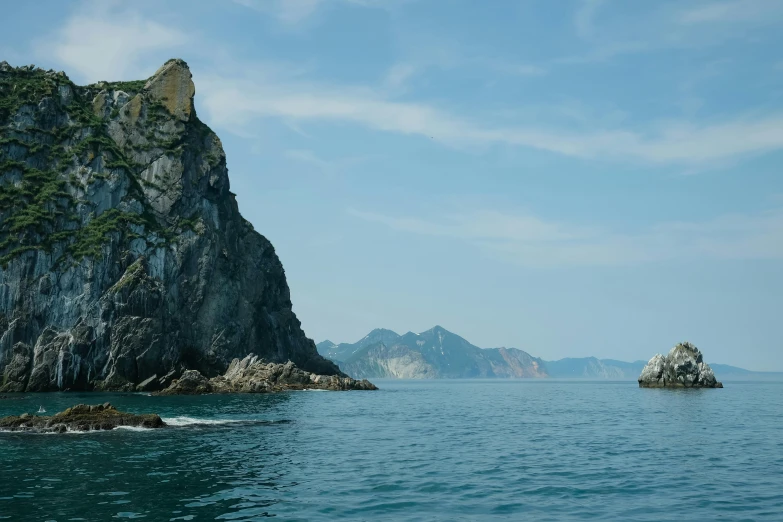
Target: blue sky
571 177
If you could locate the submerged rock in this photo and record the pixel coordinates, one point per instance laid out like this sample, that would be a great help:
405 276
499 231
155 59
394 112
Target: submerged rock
81 417
253 375
683 367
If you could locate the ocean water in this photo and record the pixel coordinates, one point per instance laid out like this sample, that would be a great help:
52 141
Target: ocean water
415 450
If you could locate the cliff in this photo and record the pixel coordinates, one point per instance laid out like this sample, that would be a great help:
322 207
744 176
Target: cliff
123 256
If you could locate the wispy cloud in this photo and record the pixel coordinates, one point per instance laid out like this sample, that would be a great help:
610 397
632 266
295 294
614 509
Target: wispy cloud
326 166
399 73
511 68
238 102
608 41
287 11
422 54
608 50
733 11
531 241
646 27
585 16
308 157
101 41
295 12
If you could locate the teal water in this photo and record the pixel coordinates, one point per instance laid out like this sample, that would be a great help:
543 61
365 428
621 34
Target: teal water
421 450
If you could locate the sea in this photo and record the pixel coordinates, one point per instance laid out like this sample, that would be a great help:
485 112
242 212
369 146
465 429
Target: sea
414 450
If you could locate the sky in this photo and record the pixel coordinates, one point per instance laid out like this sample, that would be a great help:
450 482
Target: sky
571 178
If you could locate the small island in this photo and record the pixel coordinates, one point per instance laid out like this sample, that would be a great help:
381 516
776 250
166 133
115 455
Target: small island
81 417
683 367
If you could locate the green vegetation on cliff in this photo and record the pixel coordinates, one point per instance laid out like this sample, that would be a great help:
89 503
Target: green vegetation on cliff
24 87
54 147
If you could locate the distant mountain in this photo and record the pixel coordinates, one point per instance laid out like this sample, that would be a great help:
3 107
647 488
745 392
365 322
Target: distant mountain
440 354
610 369
592 368
436 353
732 373
344 351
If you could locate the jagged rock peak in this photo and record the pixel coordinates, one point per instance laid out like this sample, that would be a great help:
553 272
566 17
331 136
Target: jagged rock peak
173 85
683 367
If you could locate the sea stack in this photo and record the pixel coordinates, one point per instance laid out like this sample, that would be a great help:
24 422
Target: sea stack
683 367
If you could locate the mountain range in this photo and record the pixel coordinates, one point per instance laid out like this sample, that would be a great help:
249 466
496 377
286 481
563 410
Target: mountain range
439 353
436 353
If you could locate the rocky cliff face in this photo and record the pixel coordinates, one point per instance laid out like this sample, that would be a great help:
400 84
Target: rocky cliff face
123 256
683 367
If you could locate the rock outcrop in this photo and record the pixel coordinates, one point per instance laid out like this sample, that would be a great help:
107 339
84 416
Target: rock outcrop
252 375
124 260
80 418
683 367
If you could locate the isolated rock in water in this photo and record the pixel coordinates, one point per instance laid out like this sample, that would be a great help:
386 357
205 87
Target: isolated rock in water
80 418
252 375
684 367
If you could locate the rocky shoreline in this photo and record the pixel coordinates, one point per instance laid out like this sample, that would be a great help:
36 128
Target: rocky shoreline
683 367
254 375
81 417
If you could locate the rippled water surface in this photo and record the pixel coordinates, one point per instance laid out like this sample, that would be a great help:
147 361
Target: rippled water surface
421 450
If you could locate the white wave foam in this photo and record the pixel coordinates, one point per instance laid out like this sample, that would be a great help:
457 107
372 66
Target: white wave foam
190 421
314 389
133 428
33 432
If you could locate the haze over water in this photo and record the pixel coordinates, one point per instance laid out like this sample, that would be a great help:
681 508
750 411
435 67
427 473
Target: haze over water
415 450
